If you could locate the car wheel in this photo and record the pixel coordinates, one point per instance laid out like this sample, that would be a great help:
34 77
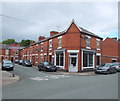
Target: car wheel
39 69
45 70
108 72
115 71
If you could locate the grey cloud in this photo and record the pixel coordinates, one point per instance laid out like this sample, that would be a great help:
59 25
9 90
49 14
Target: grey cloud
41 18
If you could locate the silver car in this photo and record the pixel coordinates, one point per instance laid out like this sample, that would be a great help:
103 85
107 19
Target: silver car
106 68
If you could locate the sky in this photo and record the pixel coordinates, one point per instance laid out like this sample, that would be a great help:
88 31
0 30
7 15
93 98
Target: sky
29 20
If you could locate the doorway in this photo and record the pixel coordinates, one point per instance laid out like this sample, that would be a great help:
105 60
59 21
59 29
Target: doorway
73 62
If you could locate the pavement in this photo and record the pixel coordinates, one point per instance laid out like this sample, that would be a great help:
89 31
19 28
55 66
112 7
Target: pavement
8 78
90 73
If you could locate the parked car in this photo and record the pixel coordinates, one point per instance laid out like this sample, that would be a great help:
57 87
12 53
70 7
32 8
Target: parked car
20 62
27 63
46 66
7 65
16 60
106 68
117 66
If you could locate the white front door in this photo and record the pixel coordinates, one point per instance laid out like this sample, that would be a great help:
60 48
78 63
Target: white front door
73 62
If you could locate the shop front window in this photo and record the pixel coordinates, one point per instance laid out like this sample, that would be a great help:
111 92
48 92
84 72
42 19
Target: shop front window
59 58
87 59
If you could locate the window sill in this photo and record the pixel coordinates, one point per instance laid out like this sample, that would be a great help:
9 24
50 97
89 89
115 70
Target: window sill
59 47
98 48
88 47
50 48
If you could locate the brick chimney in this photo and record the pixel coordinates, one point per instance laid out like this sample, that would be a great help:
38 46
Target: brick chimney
114 39
41 38
53 33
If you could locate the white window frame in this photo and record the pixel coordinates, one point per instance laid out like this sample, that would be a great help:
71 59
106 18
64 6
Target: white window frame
88 47
59 38
7 51
93 61
50 44
63 67
98 40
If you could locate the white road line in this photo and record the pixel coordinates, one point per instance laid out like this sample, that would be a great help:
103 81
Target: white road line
49 77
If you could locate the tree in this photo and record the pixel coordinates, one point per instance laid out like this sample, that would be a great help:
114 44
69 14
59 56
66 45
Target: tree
25 43
8 41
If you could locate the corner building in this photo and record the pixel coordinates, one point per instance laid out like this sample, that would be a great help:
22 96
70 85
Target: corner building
72 50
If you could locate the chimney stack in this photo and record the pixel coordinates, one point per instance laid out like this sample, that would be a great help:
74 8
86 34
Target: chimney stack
53 33
115 38
41 38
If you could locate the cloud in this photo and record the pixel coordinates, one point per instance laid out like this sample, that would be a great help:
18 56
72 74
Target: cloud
40 18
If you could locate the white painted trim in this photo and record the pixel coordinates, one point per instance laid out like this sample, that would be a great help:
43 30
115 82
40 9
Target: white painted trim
50 53
98 48
45 53
41 54
50 48
64 60
98 39
88 47
33 54
1 55
98 54
113 59
69 56
88 36
59 37
59 47
73 51
93 61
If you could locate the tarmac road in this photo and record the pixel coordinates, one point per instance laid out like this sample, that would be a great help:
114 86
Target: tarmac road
40 85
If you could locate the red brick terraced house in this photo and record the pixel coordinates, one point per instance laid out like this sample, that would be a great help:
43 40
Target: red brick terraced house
10 52
111 50
73 50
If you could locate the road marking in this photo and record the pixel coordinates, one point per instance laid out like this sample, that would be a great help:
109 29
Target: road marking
39 78
49 77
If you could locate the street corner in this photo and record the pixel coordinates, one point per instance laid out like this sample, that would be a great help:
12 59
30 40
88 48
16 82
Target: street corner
92 73
8 78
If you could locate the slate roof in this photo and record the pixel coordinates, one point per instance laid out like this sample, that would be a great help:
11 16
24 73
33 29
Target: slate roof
6 46
89 33
82 30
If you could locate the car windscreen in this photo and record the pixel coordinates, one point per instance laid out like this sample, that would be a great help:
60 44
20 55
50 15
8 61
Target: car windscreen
27 61
21 60
7 62
116 64
106 64
46 64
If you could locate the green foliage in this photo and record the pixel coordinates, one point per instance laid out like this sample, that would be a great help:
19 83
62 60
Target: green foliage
8 41
25 43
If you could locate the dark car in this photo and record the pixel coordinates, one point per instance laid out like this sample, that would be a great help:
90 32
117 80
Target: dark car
16 60
106 68
117 66
7 65
27 63
20 62
46 66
